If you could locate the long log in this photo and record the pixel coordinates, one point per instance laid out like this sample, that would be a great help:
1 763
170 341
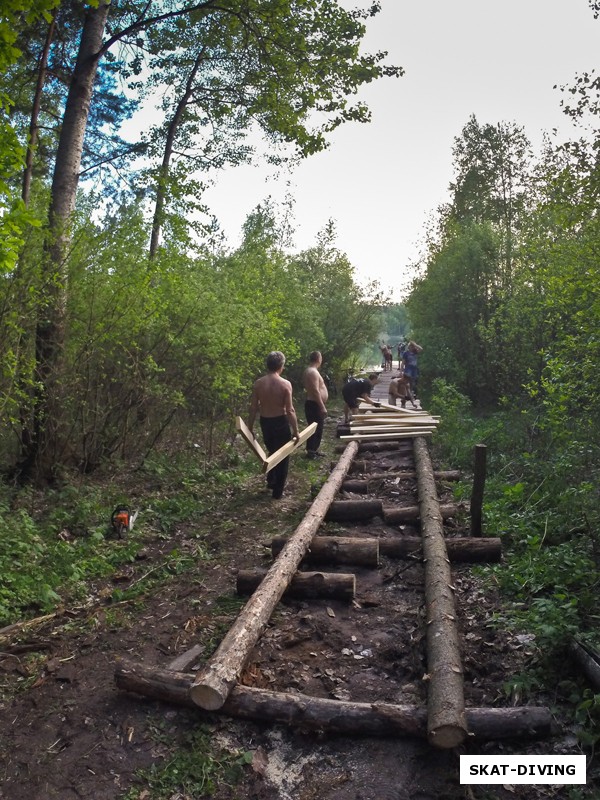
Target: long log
332 716
393 515
222 671
408 433
362 552
344 510
446 723
588 661
362 485
341 586
405 445
460 549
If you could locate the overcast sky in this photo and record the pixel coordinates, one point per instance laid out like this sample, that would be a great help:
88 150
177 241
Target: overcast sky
381 181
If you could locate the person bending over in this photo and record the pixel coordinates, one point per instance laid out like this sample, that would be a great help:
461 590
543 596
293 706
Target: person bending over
358 389
272 399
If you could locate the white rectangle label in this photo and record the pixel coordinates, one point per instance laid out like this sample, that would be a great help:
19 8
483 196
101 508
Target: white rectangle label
522 769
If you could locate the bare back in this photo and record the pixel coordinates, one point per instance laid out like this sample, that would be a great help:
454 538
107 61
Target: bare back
272 396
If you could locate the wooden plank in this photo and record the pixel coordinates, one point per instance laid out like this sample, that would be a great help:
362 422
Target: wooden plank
249 438
401 434
389 407
288 448
390 428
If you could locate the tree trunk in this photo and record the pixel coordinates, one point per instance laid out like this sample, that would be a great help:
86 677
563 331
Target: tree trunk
588 661
343 510
45 446
463 549
393 516
337 550
404 446
332 716
222 671
446 725
362 485
163 176
304 584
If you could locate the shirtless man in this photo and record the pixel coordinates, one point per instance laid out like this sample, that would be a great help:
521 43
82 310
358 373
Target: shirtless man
272 399
314 405
399 388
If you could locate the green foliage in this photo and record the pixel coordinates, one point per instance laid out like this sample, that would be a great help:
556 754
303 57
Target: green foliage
196 769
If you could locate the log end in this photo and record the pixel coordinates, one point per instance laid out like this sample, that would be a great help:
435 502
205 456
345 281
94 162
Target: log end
206 697
447 736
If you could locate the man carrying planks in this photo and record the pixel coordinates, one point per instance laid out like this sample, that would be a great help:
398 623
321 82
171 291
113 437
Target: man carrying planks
272 399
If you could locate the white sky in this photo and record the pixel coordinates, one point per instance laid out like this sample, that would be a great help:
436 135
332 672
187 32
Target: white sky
381 181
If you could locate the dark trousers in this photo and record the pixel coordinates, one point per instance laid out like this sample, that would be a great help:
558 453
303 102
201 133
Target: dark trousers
276 432
313 413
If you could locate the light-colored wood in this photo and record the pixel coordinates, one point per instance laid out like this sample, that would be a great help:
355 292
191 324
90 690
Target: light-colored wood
378 421
394 515
446 723
401 426
401 434
389 407
222 671
288 448
249 438
332 716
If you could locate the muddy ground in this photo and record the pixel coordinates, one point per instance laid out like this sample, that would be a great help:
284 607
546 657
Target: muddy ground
68 733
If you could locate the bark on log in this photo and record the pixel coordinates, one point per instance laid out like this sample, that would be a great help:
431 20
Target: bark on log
446 724
393 515
460 549
222 671
332 716
341 586
362 485
362 552
379 447
588 660
344 510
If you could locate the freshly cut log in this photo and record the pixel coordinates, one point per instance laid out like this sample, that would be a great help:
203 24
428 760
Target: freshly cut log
460 549
361 485
304 584
363 552
393 515
588 661
405 445
222 671
446 723
332 716
344 510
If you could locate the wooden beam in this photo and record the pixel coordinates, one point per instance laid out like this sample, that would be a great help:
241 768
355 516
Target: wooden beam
400 434
347 510
332 716
288 448
393 515
249 438
222 671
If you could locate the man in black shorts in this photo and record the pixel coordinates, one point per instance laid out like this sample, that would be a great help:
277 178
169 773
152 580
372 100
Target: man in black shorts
358 389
